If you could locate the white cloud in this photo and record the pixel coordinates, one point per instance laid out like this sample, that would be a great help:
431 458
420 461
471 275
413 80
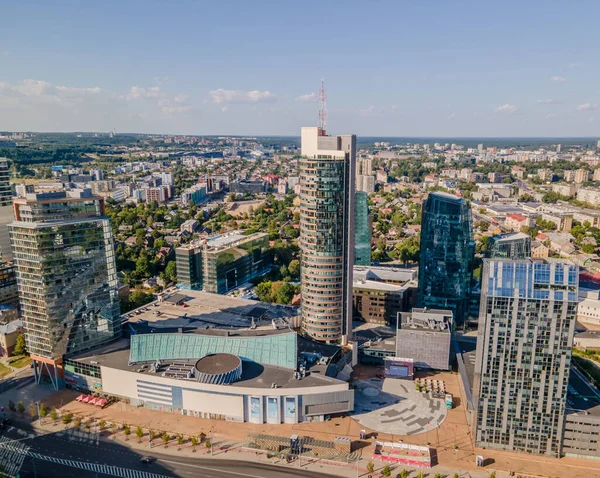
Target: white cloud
587 107
506 108
221 95
139 93
559 79
547 102
174 109
38 91
551 116
306 97
181 98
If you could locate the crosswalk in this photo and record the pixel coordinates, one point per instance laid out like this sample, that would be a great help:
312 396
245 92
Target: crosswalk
11 458
13 453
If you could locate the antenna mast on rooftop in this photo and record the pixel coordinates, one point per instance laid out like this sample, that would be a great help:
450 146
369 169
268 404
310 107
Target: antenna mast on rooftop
322 109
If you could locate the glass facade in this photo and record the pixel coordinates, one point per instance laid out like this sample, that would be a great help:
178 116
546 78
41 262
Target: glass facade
447 251
221 265
515 245
66 275
526 327
362 247
5 187
323 240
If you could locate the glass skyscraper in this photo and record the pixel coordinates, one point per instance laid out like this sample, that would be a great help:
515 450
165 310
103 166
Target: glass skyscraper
327 233
64 254
362 248
447 251
526 326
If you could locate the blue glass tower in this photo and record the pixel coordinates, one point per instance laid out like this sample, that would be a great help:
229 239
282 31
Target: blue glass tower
447 251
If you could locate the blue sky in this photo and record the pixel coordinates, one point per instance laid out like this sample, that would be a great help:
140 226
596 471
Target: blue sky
392 68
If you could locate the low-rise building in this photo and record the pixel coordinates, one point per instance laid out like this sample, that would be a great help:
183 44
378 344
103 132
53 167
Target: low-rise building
424 335
10 328
589 195
588 310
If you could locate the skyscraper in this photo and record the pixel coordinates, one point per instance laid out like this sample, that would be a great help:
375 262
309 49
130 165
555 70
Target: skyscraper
525 336
327 233
362 249
64 253
447 250
6 210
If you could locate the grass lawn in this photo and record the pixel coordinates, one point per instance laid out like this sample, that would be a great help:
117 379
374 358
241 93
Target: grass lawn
20 361
4 370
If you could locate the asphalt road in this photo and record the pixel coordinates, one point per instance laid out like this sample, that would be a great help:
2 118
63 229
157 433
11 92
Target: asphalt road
73 447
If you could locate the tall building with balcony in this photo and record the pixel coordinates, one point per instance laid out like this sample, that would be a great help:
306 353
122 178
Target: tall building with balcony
64 255
327 233
447 251
526 327
6 210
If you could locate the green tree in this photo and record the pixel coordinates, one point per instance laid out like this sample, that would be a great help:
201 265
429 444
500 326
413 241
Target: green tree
54 414
194 442
139 433
409 249
207 444
438 475
32 409
294 268
420 474
493 474
263 291
285 293
20 345
67 418
386 470
126 431
142 265
170 273
43 410
370 467
20 407
403 474
11 406
526 198
165 438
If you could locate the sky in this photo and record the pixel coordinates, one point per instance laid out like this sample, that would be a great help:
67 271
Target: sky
391 68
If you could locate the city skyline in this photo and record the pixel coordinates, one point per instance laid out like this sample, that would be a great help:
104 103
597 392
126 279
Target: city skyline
452 70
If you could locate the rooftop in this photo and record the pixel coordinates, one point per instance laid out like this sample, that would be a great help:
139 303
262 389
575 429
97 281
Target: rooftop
203 309
511 236
223 241
383 273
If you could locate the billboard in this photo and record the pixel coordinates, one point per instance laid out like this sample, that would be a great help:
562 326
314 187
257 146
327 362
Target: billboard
255 408
272 408
398 367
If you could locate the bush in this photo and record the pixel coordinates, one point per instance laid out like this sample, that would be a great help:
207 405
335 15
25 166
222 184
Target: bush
165 438
101 425
370 467
207 444
68 418
43 410
386 470
194 442
20 407
32 410
54 414
127 432
11 406
139 433
77 422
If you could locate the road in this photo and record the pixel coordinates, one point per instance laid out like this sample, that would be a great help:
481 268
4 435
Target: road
83 447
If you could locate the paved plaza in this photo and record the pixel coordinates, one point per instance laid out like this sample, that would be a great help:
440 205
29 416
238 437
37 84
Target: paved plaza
394 406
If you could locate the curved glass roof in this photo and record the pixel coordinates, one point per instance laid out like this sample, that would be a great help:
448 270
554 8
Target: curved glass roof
279 350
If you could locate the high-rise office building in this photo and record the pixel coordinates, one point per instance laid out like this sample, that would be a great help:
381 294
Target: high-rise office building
63 250
5 187
447 251
525 336
514 245
6 210
327 233
362 248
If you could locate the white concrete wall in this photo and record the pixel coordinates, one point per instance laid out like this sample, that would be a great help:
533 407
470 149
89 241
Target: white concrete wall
232 406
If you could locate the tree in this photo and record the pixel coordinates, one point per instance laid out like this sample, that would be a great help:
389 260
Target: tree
20 345
420 475
32 409
263 291
11 406
20 407
207 444
370 467
165 438
437 475
409 249
139 433
404 474
68 418
101 424
142 265
285 293
194 442
170 273
526 198
294 268
126 432
456 475
77 422
179 441
54 414
386 470
493 474
43 410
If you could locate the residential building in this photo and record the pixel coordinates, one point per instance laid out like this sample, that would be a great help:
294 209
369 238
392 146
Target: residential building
515 222
6 210
5 187
525 336
64 254
424 335
223 262
447 251
10 328
327 233
569 175
362 247
565 189
589 195
588 310
190 226
582 176
194 195
514 245
596 176
539 250
159 194
9 292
